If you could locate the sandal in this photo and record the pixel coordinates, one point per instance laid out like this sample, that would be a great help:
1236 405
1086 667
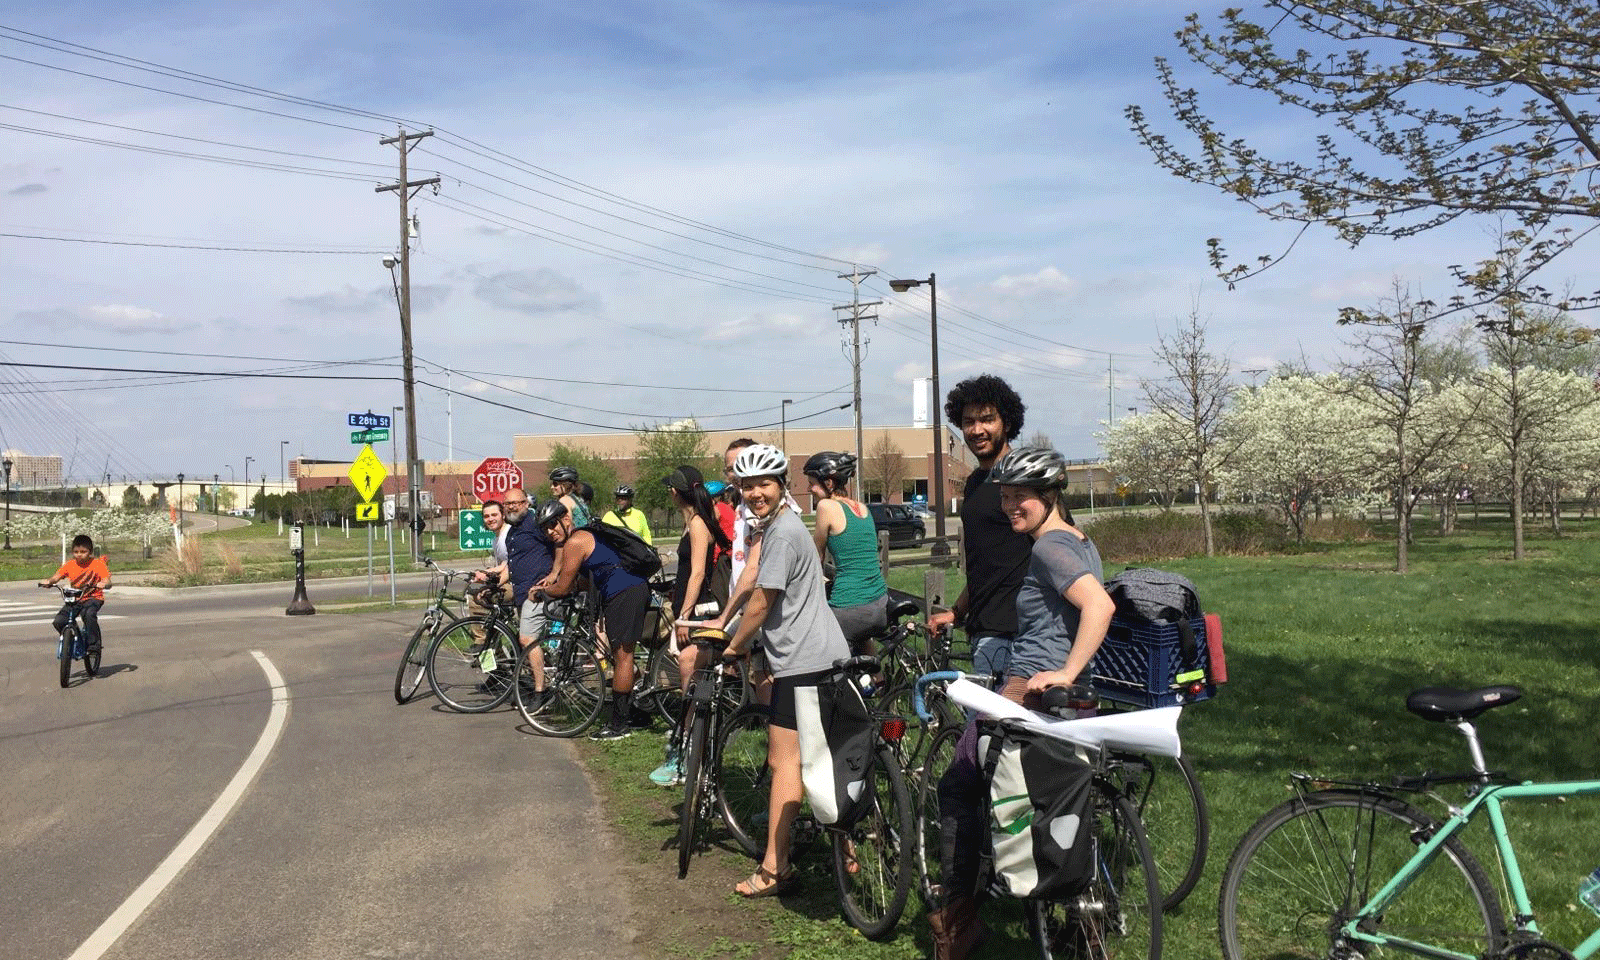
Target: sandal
765 883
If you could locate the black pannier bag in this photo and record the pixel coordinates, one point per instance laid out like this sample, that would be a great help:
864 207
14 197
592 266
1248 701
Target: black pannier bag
837 739
1041 811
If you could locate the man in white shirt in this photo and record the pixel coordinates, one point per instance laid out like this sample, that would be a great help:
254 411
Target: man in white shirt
481 602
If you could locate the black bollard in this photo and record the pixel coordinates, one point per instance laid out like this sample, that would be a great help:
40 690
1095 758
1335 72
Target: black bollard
300 606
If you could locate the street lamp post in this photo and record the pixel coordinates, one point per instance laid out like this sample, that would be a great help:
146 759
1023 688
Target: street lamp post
216 501
283 467
941 548
180 501
7 464
247 462
783 425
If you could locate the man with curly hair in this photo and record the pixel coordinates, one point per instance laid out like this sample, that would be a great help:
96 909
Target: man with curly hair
990 415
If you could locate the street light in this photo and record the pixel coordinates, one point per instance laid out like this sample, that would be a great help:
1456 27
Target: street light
783 425
247 461
941 548
1133 411
232 477
180 501
216 506
7 464
283 469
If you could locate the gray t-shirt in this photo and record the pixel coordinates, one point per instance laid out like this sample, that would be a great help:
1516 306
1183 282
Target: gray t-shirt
801 634
1046 621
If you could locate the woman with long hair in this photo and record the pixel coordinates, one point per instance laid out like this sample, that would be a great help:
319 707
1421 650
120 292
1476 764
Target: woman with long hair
860 597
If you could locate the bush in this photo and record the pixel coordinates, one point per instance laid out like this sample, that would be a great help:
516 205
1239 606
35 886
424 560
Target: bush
1131 537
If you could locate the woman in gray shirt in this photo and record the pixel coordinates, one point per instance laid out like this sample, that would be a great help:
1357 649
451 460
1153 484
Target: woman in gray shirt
1063 611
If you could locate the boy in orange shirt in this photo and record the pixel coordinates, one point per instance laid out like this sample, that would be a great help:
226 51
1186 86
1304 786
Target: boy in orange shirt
90 574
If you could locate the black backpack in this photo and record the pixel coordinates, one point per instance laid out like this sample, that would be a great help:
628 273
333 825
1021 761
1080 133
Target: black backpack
635 556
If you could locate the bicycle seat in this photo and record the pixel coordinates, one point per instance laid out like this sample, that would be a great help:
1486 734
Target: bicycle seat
903 608
1447 704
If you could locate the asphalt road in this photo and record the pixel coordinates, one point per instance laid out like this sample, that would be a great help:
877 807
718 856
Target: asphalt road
366 829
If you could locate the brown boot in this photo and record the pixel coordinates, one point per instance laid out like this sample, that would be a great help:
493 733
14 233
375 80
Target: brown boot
956 929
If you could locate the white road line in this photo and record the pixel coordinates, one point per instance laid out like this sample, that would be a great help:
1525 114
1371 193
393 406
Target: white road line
118 923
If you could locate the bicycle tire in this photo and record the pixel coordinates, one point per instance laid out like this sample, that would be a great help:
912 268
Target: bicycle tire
1279 890
744 782
1118 914
694 776
91 661
881 847
919 737
577 685
930 873
1167 795
458 677
414 661
64 648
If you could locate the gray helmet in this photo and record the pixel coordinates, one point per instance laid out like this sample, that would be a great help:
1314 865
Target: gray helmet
624 491
549 512
829 465
1038 467
564 475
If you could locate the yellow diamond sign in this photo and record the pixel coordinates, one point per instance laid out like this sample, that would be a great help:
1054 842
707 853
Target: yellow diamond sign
367 473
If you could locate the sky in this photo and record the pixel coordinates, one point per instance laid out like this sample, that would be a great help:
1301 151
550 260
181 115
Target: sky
642 215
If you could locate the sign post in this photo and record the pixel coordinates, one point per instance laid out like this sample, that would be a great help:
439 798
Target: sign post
300 604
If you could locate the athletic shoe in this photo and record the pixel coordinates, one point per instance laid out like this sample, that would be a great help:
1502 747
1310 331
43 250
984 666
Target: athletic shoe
535 701
612 731
670 773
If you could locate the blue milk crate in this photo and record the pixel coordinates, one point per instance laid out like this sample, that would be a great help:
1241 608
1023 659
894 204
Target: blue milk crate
1140 660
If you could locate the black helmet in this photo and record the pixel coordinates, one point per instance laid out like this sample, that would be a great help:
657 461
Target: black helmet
829 465
549 512
564 475
1038 467
624 491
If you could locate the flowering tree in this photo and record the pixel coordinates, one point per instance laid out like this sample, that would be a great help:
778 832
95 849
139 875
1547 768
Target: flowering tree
1301 439
1145 452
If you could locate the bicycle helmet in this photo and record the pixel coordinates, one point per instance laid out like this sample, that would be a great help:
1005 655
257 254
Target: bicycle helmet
624 492
1038 467
829 465
761 460
564 475
549 512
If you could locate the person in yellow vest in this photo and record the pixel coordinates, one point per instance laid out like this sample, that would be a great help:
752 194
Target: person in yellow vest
626 516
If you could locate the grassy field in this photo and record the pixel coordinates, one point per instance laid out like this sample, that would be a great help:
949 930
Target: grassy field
1323 647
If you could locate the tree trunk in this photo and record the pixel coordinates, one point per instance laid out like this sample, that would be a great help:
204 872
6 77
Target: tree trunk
1516 503
1205 521
1402 529
1555 508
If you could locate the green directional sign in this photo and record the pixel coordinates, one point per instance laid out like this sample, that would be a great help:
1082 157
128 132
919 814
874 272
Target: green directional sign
473 534
368 436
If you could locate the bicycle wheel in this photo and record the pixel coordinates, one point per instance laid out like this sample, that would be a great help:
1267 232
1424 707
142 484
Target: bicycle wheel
64 648
414 661
695 772
576 688
744 778
930 874
472 682
920 737
1306 867
872 860
1118 914
1167 795
91 661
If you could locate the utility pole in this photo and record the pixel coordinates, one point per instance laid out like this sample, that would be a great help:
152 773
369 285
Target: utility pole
406 189
855 306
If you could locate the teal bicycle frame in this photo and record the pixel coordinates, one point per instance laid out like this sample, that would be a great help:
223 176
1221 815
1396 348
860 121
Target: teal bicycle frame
1489 798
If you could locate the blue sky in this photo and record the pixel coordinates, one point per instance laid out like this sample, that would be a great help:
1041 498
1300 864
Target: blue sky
983 141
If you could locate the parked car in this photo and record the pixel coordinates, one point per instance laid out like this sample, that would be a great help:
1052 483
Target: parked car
919 510
895 520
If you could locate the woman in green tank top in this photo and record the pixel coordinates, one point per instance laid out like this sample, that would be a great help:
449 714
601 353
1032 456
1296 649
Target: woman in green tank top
860 597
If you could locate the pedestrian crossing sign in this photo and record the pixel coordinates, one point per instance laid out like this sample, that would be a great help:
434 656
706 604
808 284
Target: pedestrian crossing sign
366 512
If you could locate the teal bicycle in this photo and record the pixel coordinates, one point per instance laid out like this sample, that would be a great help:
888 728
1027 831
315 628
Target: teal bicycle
1349 870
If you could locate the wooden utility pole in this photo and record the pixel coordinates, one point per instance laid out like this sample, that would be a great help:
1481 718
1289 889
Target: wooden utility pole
406 189
855 306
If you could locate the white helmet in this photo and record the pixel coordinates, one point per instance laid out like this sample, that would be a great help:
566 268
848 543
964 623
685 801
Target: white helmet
760 460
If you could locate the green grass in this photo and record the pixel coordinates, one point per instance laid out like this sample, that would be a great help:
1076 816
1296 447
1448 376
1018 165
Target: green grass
1323 647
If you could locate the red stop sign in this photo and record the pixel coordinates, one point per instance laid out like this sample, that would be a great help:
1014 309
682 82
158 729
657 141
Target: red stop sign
494 477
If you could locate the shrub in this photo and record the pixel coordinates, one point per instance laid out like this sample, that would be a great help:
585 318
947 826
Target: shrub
1134 537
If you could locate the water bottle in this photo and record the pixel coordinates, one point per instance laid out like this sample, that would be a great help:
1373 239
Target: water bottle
868 689
1589 891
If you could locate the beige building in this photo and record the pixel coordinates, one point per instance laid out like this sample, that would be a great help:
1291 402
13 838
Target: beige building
32 470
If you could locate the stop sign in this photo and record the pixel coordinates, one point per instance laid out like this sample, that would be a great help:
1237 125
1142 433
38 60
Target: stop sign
494 477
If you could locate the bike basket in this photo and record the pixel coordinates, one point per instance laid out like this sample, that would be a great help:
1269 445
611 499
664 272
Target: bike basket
1141 663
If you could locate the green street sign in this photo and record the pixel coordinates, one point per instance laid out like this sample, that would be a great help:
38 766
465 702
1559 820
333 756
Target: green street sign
368 436
473 535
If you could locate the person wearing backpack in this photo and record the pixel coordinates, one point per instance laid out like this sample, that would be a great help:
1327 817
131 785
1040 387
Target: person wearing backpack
1062 612
624 602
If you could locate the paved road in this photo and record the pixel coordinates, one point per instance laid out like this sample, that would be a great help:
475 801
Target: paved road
370 830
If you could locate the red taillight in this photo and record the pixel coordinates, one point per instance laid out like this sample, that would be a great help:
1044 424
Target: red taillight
1196 688
893 729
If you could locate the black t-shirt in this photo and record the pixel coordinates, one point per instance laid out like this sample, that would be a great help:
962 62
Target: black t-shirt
997 558
529 555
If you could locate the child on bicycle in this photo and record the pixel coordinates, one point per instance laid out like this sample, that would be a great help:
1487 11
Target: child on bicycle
1063 611
89 573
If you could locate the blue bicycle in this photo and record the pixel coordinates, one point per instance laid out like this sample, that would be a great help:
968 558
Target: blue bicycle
73 643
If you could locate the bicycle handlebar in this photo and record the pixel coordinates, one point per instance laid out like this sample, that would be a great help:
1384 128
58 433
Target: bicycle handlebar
917 702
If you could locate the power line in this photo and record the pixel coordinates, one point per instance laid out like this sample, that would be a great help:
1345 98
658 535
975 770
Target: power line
374 361
189 246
